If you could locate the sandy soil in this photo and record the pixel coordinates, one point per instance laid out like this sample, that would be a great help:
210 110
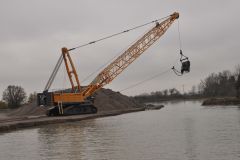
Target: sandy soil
3 114
106 100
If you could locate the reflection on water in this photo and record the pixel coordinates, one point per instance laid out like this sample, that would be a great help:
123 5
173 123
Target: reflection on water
84 140
181 130
189 129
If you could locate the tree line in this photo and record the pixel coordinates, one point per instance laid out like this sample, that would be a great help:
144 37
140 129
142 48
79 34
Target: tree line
15 96
222 84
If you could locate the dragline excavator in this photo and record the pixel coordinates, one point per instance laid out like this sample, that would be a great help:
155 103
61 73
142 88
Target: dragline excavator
79 100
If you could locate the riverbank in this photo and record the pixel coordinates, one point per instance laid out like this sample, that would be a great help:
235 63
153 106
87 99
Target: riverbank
108 102
221 101
16 123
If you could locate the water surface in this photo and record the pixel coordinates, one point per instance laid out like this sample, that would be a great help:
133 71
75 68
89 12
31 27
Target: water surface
181 131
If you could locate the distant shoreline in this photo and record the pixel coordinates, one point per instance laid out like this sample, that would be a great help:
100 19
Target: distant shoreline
206 101
170 99
221 101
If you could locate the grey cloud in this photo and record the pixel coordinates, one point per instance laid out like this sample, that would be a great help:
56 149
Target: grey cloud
33 32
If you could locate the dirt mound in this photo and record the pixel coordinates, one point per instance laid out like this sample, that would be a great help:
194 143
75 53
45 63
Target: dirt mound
105 100
108 100
28 110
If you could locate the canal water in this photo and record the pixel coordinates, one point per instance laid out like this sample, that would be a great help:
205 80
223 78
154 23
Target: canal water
179 131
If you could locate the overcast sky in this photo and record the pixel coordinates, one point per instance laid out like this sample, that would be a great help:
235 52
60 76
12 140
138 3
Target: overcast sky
32 33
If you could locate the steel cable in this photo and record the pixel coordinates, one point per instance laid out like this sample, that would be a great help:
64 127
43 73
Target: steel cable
116 34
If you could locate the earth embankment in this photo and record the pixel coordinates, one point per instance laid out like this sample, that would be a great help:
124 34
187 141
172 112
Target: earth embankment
108 102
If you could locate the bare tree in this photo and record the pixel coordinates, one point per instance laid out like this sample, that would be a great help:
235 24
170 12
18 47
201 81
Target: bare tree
32 97
171 91
174 92
237 70
193 90
14 96
238 87
165 92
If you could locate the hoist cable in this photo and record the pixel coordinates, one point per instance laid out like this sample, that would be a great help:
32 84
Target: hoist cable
183 59
179 36
116 34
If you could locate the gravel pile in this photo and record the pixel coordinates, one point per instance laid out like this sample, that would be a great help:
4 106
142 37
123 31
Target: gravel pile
105 100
